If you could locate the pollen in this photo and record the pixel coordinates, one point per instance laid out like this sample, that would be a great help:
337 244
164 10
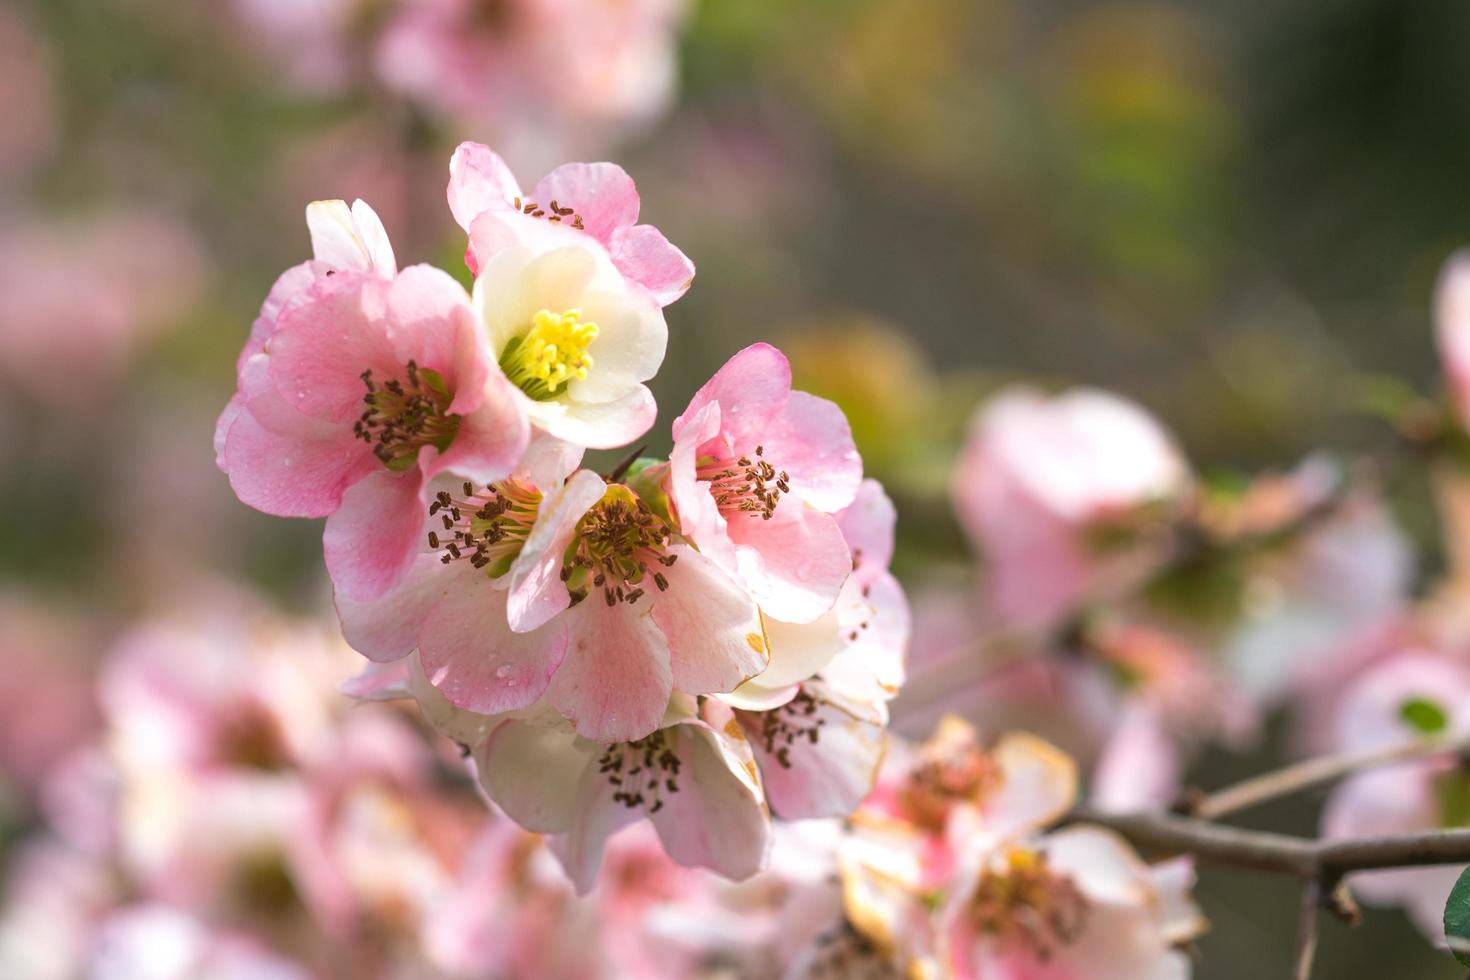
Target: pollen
551 354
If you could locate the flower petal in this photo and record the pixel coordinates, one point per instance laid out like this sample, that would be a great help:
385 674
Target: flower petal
752 387
470 654
489 442
718 818
350 240
598 816
714 632
534 772
479 181
371 541
794 563
643 254
827 777
386 627
537 593
602 194
868 525
597 425
811 440
615 681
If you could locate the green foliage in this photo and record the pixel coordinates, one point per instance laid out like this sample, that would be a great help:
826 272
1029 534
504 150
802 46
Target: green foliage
1457 915
1425 716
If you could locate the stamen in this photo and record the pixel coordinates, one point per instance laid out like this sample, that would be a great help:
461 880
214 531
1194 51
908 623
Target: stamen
642 770
559 214
745 485
551 354
788 725
618 539
1023 901
402 417
948 774
489 527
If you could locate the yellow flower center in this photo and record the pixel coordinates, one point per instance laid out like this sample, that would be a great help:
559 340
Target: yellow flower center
551 354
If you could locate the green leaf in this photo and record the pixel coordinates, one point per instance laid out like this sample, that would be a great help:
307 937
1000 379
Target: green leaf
1457 915
1424 716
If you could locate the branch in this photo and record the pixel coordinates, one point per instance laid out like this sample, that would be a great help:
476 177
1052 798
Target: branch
1323 862
1306 936
1316 772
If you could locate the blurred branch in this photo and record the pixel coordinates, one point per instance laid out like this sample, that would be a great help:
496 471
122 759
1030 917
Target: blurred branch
1324 862
1306 937
1312 773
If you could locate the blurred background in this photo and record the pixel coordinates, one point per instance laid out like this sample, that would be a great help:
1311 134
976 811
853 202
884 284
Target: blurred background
1231 214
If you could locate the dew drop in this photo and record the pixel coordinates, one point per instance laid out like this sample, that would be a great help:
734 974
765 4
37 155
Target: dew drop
502 670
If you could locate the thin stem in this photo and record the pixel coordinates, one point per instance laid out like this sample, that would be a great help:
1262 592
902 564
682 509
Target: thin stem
1316 772
1324 862
1306 936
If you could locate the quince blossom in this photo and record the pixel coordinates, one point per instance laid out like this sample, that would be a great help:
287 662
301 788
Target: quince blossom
757 473
364 388
583 594
1059 494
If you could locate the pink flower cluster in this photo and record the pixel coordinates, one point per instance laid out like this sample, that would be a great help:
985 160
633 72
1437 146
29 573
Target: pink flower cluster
236 817
699 640
948 870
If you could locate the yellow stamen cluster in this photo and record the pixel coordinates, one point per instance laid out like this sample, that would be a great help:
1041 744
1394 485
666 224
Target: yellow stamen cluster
1022 901
553 353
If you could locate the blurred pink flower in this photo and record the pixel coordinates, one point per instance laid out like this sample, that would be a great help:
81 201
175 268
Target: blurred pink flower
80 297
162 943
1395 702
757 473
52 713
1060 495
546 77
27 99
1452 329
310 43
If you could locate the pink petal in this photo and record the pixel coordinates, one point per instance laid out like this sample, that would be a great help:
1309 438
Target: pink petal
470 654
283 462
351 323
713 629
598 817
324 342
378 682
386 627
810 439
699 515
615 681
602 194
371 541
534 773
489 442
717 819
794 563
751 388
1039 785
828 777
291 286
479 181
537 593
644 255
867 525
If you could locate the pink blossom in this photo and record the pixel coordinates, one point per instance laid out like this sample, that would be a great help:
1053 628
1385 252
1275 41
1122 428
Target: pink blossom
1045 484
296 441
139 274
1391 704
162 943
597 200
508 71
308 41
693 777
502 616
1076 904
1452 329
757 473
